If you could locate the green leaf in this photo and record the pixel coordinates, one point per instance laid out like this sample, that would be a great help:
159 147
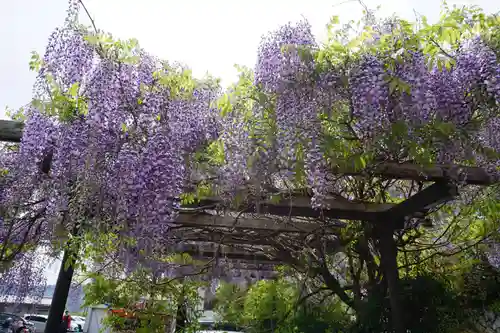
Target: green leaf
447 128
73 90
362 161
447 65
276 198
393 85
440 65
334 20
35 62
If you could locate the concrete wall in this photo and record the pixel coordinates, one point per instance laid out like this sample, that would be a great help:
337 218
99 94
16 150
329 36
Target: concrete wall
21 309
28 306
93 322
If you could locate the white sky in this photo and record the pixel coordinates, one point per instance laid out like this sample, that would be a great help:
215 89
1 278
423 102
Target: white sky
206 35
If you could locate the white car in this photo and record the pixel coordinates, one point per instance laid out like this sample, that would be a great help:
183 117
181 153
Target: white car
212 327
38 320
77 323
209 324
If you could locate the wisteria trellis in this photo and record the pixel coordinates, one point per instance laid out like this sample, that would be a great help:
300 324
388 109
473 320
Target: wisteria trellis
125 126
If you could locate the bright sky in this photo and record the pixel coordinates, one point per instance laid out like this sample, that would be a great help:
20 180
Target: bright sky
206 35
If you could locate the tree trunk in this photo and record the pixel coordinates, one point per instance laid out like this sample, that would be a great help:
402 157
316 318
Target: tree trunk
388 253
181 316
60 296
63 284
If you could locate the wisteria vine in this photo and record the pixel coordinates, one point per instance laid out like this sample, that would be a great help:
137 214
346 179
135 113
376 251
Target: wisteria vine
123 129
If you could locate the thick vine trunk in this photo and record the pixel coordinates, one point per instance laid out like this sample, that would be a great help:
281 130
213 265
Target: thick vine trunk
63 285
60 296
333 284
181 320
388 259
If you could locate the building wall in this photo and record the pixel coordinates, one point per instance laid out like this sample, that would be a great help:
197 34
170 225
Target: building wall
23 308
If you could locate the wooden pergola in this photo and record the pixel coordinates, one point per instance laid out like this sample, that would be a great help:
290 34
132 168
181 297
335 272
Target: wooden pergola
294 215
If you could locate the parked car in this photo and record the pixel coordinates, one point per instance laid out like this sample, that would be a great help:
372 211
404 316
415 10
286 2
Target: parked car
11 323
213 327
210 323
76 326
38 320
77 323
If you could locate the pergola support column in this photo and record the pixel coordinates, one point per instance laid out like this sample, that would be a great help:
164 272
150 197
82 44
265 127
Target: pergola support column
181 318
388 258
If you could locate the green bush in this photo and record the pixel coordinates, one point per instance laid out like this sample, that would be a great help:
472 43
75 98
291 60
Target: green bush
272 306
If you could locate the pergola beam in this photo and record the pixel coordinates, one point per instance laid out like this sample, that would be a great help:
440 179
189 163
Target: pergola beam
206 251
218 237
204 220
268 266
434 173
235 239
11 131
424 200
296 205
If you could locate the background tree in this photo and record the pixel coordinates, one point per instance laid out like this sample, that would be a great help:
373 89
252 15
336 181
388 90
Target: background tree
150 300
280 306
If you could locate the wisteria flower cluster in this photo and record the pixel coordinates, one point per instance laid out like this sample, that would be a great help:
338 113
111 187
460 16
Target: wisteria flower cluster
118 127
24 278
396 104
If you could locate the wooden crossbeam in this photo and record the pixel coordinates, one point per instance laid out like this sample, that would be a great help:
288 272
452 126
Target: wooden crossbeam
11 131
226 239
238 238
209 248
203 220
244 265
222 251
243 256
247 266
424 200
222 238
243 241
435 173
301 206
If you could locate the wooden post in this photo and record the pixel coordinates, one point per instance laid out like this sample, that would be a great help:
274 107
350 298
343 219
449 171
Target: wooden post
388 259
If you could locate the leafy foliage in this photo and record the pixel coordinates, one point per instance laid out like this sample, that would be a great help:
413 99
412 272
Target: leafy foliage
277 306
150 303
